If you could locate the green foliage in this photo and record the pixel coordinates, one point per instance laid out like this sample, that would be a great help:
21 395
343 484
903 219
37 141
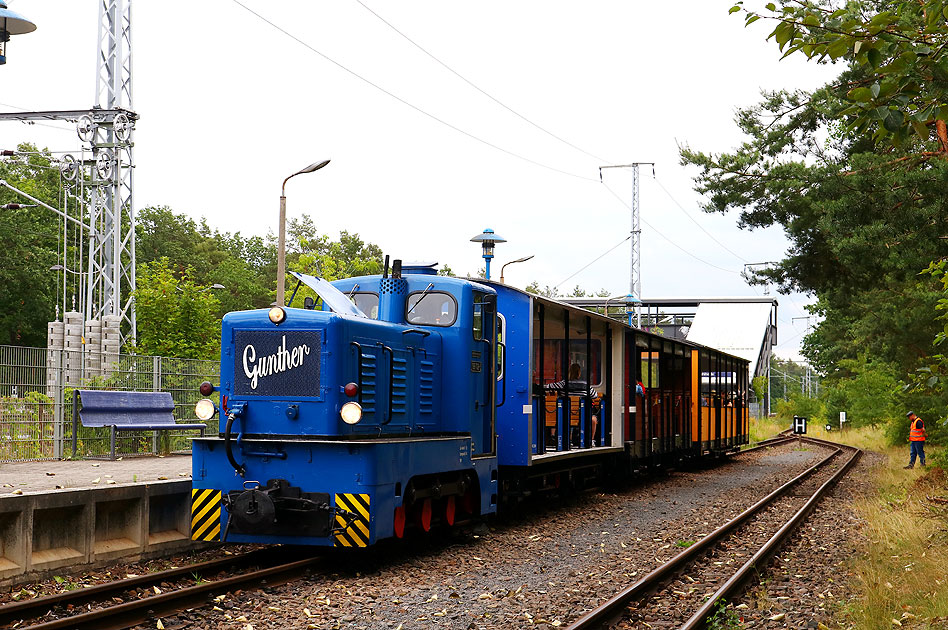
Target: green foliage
724 618
547 291
176 317
898 49
759 385
578 291
246 267
26 427
316 254
938 459
29 245
868 390
801 405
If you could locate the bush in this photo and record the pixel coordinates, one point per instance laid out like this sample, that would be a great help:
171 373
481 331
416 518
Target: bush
799 405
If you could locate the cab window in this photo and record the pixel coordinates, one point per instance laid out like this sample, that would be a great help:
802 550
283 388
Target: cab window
432 308
368 303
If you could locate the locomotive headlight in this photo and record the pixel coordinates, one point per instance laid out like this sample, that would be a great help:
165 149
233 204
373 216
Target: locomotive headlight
205 409
277 315
351 412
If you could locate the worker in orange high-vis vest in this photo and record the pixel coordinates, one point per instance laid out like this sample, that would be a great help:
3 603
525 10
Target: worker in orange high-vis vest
917 437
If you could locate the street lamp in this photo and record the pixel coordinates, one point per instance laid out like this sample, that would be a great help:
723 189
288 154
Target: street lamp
488 239
61 268
11 23
628 298
519 260
213 286
281 253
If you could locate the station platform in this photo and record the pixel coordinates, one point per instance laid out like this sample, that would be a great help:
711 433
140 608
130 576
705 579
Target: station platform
66 515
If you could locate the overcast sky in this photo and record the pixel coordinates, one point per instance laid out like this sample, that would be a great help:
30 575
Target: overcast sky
230 106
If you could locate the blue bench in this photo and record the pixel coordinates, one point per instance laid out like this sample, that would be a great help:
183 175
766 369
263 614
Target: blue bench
125 411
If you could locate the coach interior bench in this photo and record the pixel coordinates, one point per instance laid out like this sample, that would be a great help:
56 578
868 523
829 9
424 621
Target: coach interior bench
126 411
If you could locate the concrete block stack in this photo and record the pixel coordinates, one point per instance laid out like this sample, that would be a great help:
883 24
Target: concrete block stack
54 345
72 346
93 336
72 360
111 343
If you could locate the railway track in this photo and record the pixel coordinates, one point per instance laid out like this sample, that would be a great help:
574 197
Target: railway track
126 603
109 606
684 592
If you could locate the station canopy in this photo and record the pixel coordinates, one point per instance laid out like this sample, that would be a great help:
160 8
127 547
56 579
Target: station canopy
742 329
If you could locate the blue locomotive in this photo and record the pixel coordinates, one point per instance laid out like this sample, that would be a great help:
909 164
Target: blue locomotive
410 399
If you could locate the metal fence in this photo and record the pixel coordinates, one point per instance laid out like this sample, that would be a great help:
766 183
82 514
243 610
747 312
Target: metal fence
36 400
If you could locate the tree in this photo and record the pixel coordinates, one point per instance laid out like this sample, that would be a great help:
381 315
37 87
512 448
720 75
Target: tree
176 316
30 243
900 49
854 173
317 254
871 395
861 225
246 267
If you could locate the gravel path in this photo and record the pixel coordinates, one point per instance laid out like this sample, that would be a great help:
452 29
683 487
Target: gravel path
542 569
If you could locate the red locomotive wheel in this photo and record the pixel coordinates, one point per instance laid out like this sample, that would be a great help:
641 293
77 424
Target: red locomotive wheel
425 516
399 521
449 511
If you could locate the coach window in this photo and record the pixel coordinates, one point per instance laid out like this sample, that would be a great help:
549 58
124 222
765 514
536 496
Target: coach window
434 308
366 302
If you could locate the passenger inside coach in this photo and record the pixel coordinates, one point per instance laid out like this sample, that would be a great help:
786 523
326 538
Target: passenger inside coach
575 385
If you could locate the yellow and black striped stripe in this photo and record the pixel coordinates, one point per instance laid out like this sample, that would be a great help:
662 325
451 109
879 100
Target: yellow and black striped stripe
355 534
206 515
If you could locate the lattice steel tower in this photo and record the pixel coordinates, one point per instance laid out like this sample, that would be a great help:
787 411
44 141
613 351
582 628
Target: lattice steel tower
112 211
101 177
635 240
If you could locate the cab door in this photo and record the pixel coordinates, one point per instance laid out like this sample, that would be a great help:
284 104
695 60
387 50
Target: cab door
484 372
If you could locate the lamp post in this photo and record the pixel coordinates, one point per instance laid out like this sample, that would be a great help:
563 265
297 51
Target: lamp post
488 239
628 298
213 286
11 23
281 253
519 260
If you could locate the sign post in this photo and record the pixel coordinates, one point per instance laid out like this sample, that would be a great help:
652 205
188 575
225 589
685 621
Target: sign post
799 425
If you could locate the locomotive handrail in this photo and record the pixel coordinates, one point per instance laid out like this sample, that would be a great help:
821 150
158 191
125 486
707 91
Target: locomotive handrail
227 447
391 382
416 330
503 381
358 347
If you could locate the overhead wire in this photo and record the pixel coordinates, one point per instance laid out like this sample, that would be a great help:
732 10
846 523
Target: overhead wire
33 122
597 259
676 245
405 102
478 88
693 220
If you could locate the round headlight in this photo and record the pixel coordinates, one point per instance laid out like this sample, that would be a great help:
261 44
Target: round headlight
205 409
277 314
351 412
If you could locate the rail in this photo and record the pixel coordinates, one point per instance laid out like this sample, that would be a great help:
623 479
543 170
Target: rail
113 616
609 611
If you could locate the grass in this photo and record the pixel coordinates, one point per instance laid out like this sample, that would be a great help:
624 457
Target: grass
866 438
901 575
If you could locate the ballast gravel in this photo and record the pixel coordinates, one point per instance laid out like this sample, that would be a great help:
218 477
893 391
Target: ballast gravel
541 569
